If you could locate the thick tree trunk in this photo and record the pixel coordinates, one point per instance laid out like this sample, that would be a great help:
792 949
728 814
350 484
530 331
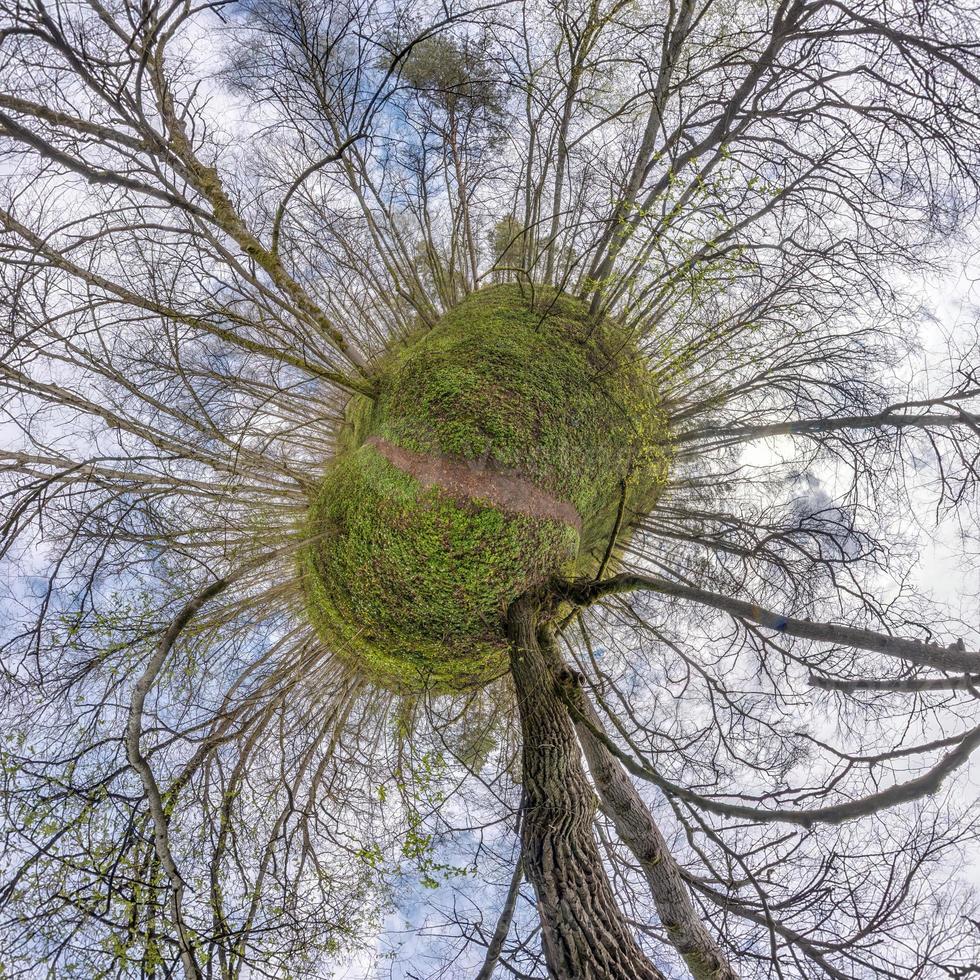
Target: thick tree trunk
639 832
584 933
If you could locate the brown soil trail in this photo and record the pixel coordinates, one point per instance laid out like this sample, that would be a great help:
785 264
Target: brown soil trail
504 488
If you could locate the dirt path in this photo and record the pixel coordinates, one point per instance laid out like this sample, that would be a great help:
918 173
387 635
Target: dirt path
504 488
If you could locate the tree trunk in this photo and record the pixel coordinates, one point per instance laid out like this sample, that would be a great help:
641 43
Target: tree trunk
584 933
639 832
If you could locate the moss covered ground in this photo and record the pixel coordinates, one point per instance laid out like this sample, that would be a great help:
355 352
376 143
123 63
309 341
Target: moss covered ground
409 582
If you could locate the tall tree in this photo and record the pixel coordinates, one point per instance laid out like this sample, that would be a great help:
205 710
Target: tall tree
710 720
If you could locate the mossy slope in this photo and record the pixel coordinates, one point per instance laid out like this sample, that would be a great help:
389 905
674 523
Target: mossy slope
408 583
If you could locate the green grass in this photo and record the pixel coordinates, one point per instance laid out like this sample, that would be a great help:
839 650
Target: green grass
410 585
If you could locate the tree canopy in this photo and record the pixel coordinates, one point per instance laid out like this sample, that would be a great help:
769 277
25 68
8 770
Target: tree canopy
724 727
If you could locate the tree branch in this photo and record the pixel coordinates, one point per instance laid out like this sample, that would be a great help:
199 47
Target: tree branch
952 658
138 761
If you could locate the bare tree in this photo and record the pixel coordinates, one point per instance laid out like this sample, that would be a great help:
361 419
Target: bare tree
733 747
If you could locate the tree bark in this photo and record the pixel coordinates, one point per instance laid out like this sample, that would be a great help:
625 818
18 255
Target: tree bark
639 832
584 933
